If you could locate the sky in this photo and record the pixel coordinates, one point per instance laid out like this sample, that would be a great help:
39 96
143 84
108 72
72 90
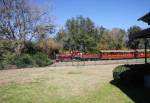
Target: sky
106 13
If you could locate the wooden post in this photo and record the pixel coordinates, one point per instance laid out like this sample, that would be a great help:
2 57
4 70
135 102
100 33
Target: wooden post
145 42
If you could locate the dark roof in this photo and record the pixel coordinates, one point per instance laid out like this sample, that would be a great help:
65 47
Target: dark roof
146 18
142 34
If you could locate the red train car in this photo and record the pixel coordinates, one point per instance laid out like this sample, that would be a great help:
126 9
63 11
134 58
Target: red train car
103 54
87 56
63 57
123 54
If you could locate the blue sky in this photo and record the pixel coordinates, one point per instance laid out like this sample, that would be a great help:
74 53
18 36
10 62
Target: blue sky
107 13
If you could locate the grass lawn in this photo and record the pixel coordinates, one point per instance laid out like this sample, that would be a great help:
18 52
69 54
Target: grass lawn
89 84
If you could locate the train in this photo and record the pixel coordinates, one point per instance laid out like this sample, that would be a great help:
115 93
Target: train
103 55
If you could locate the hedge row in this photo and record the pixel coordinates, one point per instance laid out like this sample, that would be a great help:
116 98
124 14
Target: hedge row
26 60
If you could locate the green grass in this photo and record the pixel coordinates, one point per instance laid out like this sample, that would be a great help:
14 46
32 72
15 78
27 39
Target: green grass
37 93
87 85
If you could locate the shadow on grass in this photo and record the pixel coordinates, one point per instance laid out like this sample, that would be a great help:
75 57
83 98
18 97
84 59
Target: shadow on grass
132 83
139 94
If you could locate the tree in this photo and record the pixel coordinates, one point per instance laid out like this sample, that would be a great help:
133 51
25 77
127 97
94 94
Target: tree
134 44
118 38
61 38
104 41
48 46
81 30
112 40
77 30
20 22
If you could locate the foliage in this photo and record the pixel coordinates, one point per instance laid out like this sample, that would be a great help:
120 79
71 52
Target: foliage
8 60
24 61
78 30
30 56
2 66
6 54
134 44
48 46
27 60
42 59
81 30
22 25
112 40
21 22
118 71
5 47
6 65
131 74
30 48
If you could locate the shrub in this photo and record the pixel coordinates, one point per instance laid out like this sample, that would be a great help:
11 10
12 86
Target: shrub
30 48
131 74
42 59
2 66
5 65
10 60
7 60
24 61
117 72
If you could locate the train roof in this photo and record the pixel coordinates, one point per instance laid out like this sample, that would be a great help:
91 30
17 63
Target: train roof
122 51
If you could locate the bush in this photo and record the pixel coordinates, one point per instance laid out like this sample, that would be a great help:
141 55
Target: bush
2 66
131 74
24 61
30 48
7 60
42 59
117 72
